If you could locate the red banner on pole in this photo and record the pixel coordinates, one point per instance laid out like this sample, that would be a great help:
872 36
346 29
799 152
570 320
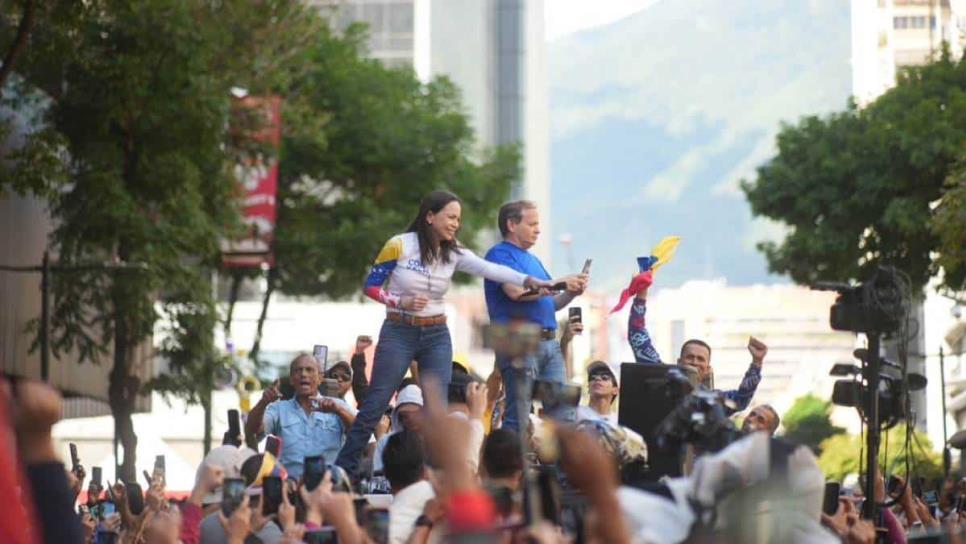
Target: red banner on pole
257 178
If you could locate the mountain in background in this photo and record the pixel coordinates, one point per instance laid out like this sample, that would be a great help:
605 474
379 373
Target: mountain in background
656 117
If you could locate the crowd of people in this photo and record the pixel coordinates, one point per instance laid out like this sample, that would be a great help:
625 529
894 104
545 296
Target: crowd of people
432 452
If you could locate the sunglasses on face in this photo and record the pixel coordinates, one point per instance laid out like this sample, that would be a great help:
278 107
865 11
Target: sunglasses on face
341 376
602 376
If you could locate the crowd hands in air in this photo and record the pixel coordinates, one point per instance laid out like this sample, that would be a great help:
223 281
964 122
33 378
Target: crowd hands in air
431 452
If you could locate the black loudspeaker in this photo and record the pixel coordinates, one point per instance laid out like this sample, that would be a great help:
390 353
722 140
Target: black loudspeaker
645 400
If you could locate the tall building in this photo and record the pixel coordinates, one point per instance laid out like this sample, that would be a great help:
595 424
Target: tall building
888 35
493 50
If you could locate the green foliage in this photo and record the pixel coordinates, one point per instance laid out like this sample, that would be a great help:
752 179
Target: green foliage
841 455
856 186
807 422
362 144
949 225
139 97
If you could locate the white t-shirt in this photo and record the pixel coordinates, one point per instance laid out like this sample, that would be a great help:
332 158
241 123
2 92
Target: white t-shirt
586 412
400 258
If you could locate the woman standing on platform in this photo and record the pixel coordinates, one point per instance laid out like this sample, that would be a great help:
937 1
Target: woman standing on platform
410 276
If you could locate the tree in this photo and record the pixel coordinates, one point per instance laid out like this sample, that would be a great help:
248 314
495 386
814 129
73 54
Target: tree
842 455
856 187
808 423
361 145
949 226
139 95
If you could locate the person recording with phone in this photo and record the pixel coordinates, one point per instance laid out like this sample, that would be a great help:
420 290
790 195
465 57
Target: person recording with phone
308 423
519 224
411 276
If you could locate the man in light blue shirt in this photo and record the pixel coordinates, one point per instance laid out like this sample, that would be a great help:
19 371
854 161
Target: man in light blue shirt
308 423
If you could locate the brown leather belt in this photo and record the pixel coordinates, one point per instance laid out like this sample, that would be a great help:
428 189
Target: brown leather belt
548 334
415 320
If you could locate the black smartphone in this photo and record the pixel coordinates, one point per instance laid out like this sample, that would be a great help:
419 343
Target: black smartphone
894 486
234 429
74 460
322 535
158 468
271 494
586 269
321 353
232 494
576 315
830 503
135 498
147 477
273 445
313 471
96 476
376 525
559 286
931 498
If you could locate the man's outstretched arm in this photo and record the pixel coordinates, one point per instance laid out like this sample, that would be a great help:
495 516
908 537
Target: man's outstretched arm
637 335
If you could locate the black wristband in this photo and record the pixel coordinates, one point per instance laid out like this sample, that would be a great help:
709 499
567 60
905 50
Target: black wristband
424 521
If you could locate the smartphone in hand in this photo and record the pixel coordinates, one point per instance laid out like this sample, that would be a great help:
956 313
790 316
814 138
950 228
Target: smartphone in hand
231 437
158 474
321 353
576 315
830 502
313 471
74 460
271 494
233 492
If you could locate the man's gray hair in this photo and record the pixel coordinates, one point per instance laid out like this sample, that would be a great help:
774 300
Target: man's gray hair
513 211
291 366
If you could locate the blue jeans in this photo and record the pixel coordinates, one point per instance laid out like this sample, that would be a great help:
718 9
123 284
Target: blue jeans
546 364
399 345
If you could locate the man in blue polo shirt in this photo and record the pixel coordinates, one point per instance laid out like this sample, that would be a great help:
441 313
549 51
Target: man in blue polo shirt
519 224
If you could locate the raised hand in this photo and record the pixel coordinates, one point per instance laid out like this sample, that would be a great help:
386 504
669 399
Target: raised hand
476 399
362 343
271 393
757 349
239 524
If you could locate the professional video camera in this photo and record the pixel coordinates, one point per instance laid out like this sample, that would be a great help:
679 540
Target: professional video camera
698 419
875 306
893 389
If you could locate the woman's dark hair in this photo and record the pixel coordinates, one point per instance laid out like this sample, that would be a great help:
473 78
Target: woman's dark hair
428 252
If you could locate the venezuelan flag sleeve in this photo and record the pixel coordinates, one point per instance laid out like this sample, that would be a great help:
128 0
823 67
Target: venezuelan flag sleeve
380 272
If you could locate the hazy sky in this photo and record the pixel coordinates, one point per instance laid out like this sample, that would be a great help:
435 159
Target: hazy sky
567 16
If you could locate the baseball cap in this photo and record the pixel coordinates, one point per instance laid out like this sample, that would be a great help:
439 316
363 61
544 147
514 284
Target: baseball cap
230 459
341 364
600 366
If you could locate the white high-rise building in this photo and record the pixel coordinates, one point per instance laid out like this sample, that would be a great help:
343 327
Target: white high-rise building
888 35
493 50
